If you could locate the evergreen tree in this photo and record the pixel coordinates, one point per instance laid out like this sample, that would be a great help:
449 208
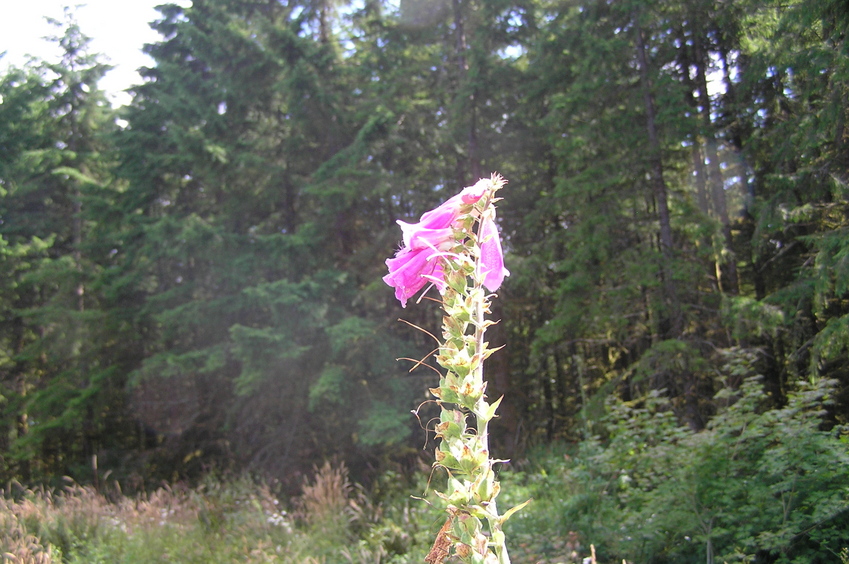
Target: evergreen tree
250 245
791 99
617 253
61 399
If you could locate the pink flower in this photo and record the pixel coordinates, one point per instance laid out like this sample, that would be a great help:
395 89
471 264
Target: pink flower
418 262
411 270
492 257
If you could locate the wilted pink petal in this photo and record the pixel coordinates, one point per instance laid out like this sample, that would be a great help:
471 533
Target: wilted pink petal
492 259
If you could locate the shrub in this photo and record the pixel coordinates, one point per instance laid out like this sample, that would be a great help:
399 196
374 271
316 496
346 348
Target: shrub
755 486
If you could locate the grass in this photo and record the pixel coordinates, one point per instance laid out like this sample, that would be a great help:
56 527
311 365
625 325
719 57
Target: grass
240 520
333 521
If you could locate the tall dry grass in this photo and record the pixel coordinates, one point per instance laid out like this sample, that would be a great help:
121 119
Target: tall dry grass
44 526
218 521
16 543
40 525
325 499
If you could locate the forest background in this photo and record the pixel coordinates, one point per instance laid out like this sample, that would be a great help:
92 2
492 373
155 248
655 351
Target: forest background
192 283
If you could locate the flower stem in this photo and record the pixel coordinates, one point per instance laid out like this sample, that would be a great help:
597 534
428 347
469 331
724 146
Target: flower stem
464 260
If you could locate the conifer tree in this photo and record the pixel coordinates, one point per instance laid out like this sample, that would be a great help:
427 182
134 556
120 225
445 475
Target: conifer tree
250 231
55 178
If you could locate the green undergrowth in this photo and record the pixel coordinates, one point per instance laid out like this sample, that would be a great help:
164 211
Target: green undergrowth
757 485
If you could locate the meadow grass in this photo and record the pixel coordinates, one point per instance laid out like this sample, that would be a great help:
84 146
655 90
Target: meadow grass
235 520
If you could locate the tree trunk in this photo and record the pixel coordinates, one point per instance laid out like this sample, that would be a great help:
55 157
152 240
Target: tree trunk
658 185
498 375
472 164
728 282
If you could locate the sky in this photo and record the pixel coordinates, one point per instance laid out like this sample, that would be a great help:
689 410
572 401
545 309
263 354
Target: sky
118 29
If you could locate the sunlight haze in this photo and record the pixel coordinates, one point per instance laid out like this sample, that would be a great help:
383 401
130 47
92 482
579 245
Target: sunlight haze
118 30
